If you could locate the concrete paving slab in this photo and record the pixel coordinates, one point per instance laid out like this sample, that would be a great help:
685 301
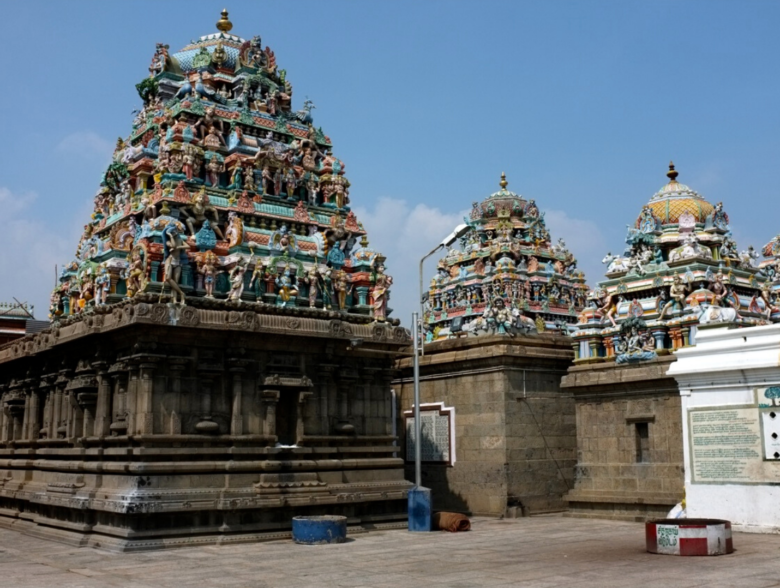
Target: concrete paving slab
537 552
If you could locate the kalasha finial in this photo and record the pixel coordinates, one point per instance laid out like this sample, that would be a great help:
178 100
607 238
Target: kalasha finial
672 174
503 183
224 24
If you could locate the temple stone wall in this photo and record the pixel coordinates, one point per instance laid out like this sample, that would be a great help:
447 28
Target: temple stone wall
629 440
514 428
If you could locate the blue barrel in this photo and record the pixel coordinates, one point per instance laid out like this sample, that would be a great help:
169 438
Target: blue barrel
319 530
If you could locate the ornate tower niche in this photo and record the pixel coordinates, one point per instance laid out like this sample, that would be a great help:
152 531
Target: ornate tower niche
221 335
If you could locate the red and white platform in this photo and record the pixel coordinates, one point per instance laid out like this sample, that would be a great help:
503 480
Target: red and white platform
689 537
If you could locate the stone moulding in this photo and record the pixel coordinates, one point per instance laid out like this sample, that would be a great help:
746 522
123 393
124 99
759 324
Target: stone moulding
151 425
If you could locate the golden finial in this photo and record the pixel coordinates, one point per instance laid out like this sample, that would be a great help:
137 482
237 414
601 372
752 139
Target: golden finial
364 241
672 174
224 24
503 183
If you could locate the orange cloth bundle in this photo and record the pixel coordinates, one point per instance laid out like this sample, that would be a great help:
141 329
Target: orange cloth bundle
451 521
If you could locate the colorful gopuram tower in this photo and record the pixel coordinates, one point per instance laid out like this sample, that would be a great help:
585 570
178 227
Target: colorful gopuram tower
220 359
680 270
222 191
506 275
681 267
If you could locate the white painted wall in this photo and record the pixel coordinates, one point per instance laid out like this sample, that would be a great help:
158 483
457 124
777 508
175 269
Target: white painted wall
724 369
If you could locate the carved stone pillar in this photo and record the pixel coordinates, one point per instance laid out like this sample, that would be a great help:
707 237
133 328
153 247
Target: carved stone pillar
144 417
118 373
303 398
131 396
237 369
270 399
59 425
326 385
176 366
14 404
47 394
103 409
4 435
206 426
83 391
346 382
34 409
368 378
27 413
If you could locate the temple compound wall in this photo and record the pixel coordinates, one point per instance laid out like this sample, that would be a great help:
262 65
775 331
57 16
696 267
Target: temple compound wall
146 425
629 440
498 432
730 393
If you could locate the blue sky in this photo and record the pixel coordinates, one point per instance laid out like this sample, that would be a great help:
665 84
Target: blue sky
583 104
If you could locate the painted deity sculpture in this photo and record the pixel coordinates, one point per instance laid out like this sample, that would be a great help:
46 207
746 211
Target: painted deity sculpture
217 150
209 270
507 253
382 283
287 288
175 256
680 269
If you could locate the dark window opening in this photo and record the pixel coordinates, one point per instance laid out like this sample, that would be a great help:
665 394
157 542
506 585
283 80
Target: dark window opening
642 442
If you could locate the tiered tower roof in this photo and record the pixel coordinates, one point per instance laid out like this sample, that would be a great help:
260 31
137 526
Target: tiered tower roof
223 191
506 259
680 267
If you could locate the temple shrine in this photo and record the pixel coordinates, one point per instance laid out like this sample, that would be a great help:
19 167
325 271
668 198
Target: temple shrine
220 355
680 272
507 275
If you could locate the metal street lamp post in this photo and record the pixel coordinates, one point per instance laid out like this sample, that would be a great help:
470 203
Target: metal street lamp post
420 498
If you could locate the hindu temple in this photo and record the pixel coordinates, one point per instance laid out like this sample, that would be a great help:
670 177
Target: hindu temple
506 264
498 432
680 272
220 355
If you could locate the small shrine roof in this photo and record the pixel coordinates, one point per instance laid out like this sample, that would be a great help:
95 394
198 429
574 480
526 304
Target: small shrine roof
675 199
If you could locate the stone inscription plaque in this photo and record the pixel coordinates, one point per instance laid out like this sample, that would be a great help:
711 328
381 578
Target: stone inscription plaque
727 446
435 433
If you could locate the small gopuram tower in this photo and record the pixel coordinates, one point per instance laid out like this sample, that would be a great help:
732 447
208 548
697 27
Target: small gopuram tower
498 434
680 269
220 358
507 259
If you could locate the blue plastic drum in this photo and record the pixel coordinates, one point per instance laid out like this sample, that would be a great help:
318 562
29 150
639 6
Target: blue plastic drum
319 530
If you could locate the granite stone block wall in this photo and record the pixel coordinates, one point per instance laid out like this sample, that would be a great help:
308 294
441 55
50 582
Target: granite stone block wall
629 440
515 442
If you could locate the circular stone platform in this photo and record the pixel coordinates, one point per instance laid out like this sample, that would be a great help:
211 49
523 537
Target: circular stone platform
689 537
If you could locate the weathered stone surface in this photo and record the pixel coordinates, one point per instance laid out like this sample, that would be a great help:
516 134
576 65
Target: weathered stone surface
618 474
514 428
221 421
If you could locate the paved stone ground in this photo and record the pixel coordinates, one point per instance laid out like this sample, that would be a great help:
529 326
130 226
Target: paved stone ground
537 552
